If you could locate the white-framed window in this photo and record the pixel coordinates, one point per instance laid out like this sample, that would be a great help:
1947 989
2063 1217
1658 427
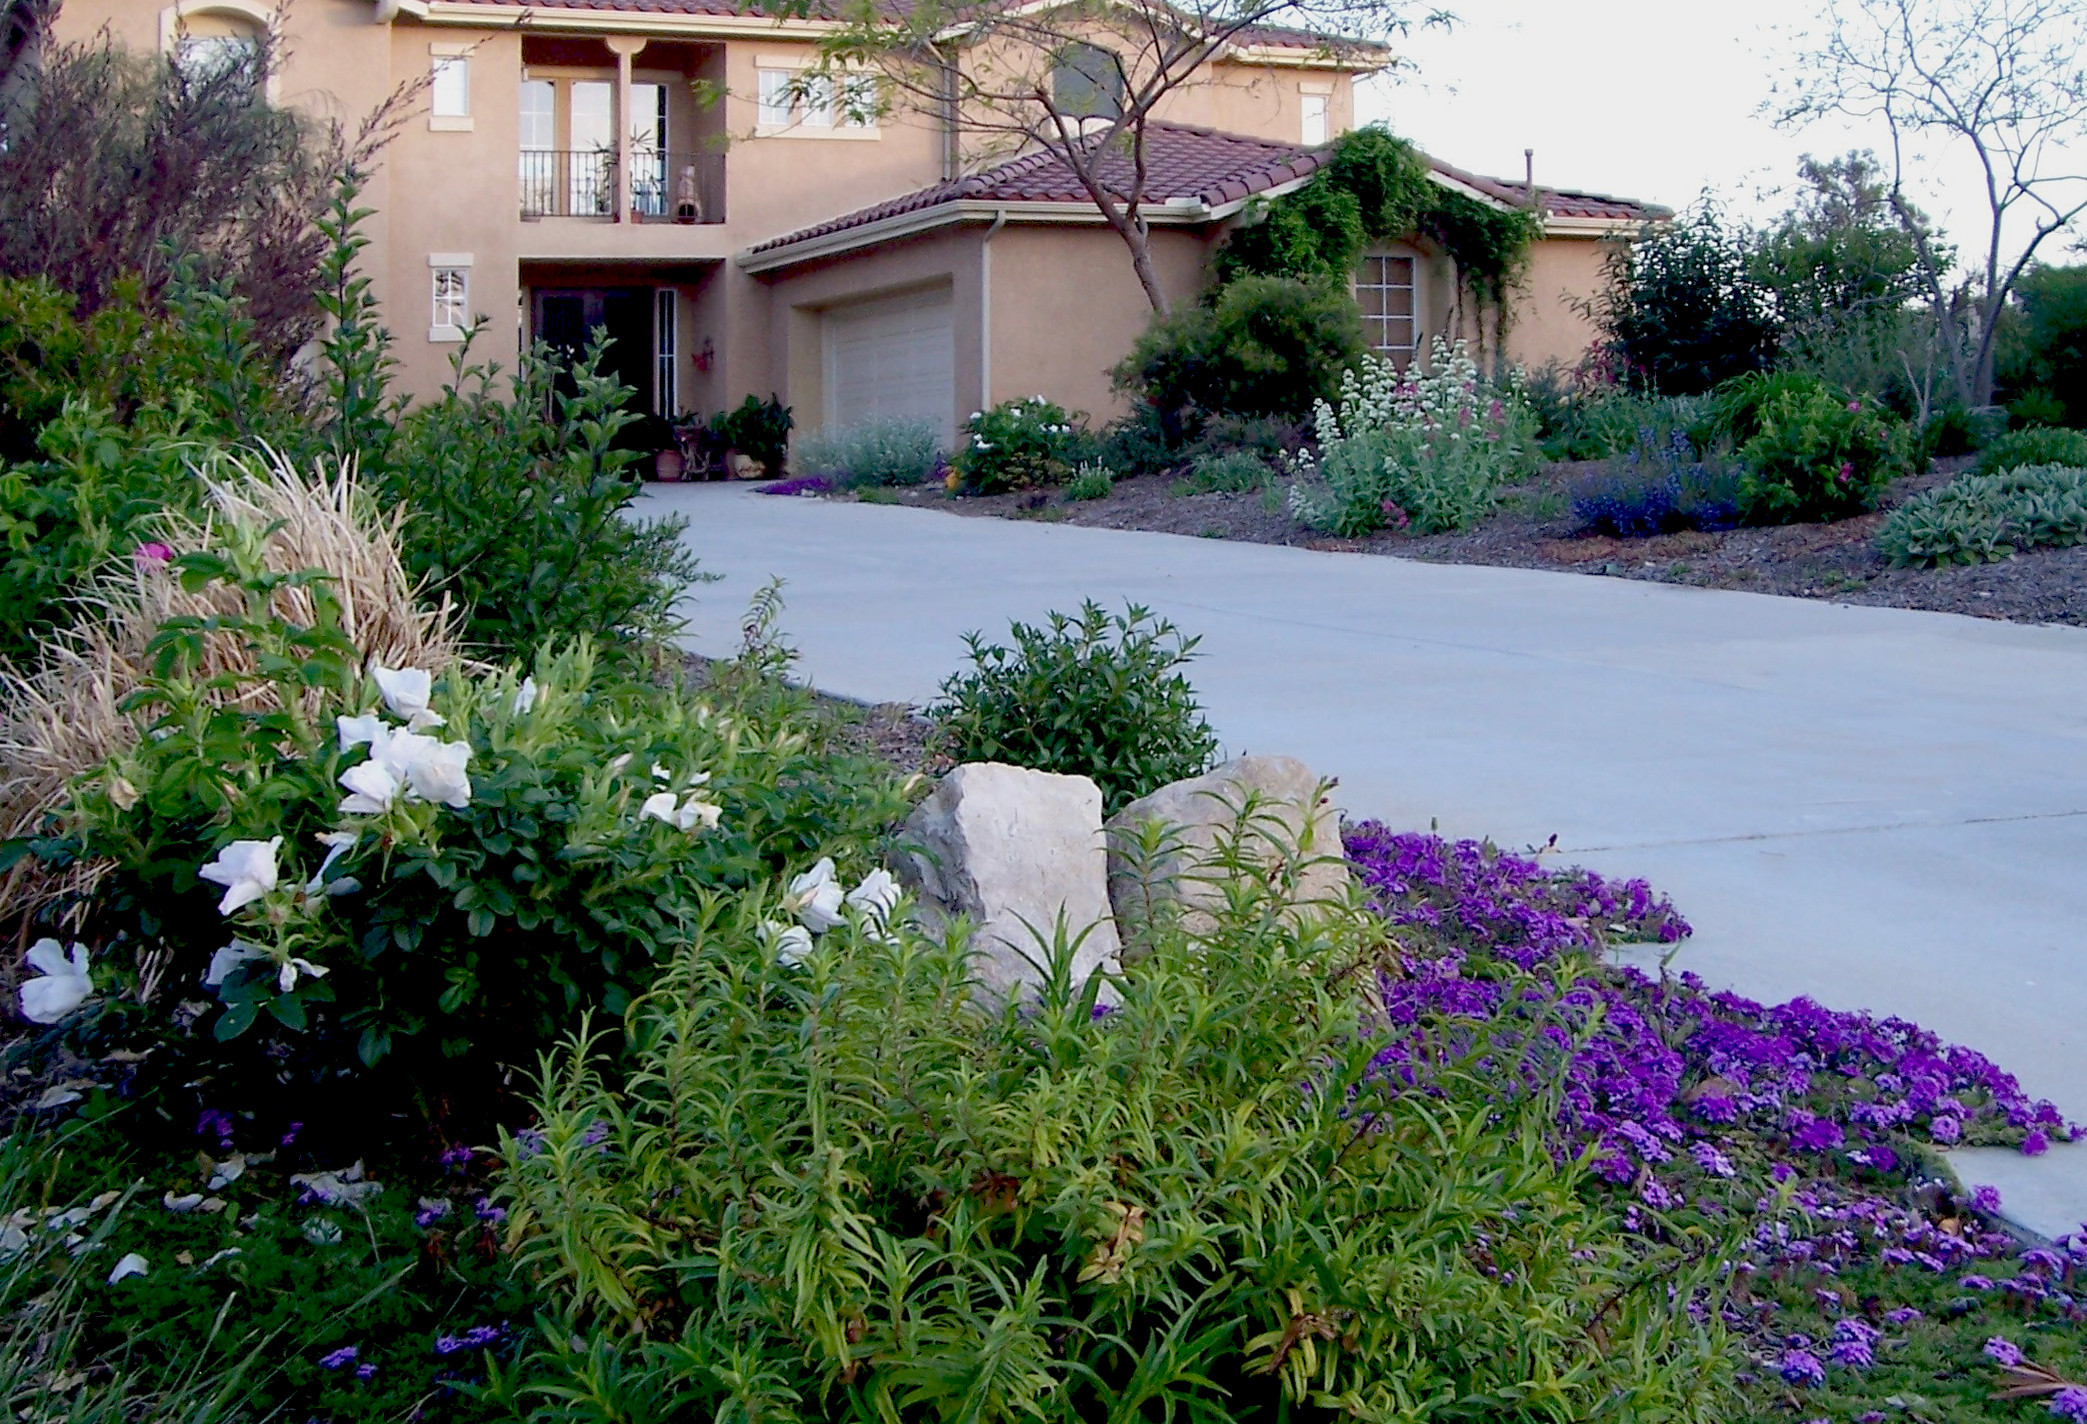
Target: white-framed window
665 396
539 115
1317 110
816 105
449 287
778 99
449 94
1384 290
205 58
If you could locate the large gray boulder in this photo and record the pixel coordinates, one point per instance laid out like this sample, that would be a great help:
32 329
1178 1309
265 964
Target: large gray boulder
1013 850
1292 817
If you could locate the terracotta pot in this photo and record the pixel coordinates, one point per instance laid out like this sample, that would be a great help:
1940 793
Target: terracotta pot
667 466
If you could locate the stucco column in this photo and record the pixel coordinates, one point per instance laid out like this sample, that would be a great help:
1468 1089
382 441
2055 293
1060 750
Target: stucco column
625 48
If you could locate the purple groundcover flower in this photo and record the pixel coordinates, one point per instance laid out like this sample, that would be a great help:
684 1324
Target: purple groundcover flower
2003 1351
338 1359
801 484
1985 1200
1802 1368
2069 1403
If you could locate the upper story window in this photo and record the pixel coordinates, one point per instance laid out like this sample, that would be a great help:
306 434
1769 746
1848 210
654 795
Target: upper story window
211 58
790 99
1087 83
1317 112
449 282
449 93
1385 292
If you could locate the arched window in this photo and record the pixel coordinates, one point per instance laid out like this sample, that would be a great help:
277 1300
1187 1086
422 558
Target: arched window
216 39
1087 83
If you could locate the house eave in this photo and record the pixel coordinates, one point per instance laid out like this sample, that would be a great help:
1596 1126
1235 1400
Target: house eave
560 20
1592 227
1178 212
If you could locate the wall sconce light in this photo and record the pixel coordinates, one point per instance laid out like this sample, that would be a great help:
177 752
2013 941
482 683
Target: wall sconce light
704 355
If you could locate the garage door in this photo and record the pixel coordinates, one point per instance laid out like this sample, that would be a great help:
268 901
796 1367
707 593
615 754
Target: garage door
893 357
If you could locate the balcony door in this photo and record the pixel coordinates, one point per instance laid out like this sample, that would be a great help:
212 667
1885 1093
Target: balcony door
567 319
592 124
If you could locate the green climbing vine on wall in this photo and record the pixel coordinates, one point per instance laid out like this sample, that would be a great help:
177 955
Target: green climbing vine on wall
1376 188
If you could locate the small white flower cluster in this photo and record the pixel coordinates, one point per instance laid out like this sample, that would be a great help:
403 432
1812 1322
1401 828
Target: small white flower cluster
692 815
403 759
818 902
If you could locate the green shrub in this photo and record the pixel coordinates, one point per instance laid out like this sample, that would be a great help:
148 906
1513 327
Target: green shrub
883 450
1236 472
1017 445
831 1187
2037 407
1424 451
757 429
500 853
525 518
2039 445
1684 310
1809 453
1090 481
1101 695
1982 518
1264 347
1582 416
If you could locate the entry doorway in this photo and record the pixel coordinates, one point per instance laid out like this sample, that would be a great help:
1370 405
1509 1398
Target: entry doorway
566 319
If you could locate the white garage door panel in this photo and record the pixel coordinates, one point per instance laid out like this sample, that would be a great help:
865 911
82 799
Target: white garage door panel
892 358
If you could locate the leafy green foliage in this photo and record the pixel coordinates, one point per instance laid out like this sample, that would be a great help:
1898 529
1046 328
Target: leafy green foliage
842 1191
1983 518
1264 347
524 517
1809 453
1684 310
2042 445
1377 188
757 429
1101 695
883 450
2044 347
1090 481
1235 472
1017 445
453 932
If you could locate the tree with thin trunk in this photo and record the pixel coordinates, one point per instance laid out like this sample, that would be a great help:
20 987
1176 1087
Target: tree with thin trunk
1083 81
1998 81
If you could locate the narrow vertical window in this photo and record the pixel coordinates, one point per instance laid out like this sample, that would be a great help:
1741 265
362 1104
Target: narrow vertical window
858 101
1384 292
776 98
1317 128
449 96
665 398
451 306
818 102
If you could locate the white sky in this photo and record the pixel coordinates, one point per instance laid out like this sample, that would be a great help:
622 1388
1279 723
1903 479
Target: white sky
1646 99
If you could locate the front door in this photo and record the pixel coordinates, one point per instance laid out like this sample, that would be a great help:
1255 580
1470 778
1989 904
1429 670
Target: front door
566 320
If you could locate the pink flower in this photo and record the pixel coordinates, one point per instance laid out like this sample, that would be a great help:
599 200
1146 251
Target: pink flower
1854 406
152 554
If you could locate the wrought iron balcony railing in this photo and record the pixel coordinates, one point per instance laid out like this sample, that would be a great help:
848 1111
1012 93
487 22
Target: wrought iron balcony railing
664 186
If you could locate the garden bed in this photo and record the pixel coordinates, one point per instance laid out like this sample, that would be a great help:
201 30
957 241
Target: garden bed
1535 529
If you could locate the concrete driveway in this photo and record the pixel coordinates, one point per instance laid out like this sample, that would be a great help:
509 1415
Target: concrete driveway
1876 808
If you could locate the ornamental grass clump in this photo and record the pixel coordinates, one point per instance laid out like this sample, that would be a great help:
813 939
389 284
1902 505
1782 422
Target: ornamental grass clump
832 1186
1423 451
1099 695
882 450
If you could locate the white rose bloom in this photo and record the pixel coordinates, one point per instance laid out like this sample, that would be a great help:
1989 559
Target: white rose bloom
372 789
131 1265
337 844
815 897
286 978
698 814
229 958
436 771
406 692
525 697
659 806
62 984
247 871
877 896
792 946
360 731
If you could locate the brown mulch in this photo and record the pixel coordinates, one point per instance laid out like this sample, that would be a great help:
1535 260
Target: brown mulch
1535 530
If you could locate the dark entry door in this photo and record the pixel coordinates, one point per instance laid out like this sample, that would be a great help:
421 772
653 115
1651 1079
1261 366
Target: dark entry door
566 320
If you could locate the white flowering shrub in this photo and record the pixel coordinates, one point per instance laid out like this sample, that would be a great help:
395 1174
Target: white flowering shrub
1018 444
1425 450
371 868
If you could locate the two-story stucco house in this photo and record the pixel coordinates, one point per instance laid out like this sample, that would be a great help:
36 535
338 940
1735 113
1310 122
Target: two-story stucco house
650 166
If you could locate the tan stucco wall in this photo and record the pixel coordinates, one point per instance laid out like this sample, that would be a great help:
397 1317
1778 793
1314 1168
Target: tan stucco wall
1549 325
1261 99
1066 306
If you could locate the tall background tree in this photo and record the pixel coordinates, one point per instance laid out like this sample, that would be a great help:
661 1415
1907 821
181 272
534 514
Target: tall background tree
1997 82
1084 80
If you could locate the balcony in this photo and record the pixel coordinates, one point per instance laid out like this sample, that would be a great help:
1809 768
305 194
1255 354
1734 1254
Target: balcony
665 187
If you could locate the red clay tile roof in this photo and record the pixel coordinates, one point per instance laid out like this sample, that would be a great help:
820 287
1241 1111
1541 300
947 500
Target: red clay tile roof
1183 163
